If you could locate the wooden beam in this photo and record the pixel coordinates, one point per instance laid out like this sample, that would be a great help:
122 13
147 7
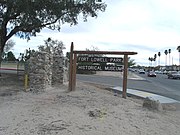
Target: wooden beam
105 52
73 60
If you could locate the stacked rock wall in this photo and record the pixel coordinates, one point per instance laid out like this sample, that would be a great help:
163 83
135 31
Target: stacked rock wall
38 71
66 70
57 66
46 68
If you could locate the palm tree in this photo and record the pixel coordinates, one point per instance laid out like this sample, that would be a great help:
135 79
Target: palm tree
169 51
159 54
166 52
178 48
155 56
150 59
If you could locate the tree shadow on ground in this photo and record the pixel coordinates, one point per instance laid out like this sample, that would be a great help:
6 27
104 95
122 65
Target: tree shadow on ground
11 84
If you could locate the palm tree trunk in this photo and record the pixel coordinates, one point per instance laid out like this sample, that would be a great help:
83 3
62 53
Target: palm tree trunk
166 60
179 60
0 57
178 48
169 59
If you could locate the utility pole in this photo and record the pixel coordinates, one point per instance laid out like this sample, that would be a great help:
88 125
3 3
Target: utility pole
0 42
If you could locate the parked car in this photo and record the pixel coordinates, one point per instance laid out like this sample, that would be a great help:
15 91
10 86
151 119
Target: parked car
141 71
173 75
151 74
165 72
159 72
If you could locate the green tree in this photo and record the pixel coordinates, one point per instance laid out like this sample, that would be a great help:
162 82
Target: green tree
25 56
50 44
10 56
25 18
8 46
131 62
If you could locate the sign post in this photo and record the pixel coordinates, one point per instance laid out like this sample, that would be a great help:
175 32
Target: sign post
74 72
71 68
125 76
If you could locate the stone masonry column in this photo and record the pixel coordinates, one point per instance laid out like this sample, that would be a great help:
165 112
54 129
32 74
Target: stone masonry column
57 70
38 72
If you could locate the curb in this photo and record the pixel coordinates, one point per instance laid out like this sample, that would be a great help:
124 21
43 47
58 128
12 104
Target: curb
143 95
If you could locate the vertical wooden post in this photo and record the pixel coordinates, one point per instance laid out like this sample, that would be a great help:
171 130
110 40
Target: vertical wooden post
71 67
26 82
125 76
74 72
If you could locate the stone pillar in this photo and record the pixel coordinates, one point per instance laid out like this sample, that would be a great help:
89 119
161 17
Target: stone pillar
46 68
57 69
65 70
58 65
39 72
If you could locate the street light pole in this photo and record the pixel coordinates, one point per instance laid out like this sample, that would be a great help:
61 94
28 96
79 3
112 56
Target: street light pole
1 20
178 48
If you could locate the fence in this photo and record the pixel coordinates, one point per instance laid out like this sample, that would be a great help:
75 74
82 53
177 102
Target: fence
12 65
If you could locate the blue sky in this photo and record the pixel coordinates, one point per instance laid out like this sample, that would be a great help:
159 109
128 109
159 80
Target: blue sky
143 26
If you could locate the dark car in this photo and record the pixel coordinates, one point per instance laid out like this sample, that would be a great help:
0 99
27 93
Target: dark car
174 75
151 74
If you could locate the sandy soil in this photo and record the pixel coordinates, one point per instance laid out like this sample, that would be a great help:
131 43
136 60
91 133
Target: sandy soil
90 110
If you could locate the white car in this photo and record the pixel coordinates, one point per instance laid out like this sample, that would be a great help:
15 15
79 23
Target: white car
141 71
174 75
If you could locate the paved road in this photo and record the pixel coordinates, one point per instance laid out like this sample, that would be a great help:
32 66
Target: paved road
171 85
159 85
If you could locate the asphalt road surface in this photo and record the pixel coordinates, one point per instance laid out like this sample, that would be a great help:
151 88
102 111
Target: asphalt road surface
160 85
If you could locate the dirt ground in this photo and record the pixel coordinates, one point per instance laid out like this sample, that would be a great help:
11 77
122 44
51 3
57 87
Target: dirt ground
11 84
91 109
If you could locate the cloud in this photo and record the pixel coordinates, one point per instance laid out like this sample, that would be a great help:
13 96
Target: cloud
143 26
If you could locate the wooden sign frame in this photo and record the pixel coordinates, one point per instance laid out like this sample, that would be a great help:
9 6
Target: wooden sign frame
73 61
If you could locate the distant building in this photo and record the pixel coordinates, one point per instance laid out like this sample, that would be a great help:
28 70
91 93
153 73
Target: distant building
170 68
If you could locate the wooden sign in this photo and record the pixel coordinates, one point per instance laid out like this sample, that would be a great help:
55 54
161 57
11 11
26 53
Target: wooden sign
100 68
100 59
73 64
